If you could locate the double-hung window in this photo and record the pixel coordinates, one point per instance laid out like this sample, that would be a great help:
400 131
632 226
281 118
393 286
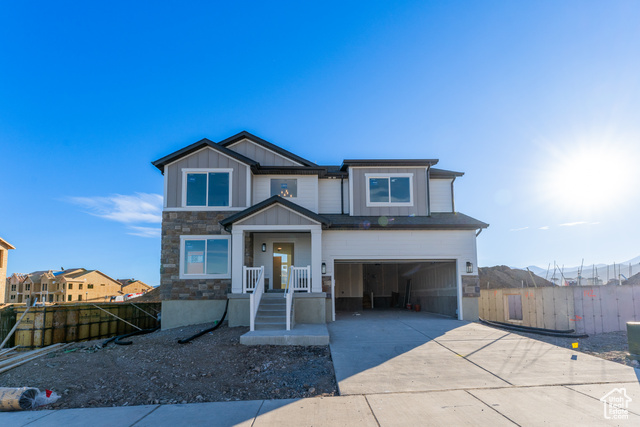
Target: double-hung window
206 187
205 257
389 189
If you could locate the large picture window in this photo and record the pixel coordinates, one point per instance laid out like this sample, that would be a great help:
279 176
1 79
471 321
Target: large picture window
284 187
205 257
207 188
390 190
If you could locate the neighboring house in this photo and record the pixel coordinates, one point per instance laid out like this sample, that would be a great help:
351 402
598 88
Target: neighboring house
71 285
368 231
133 286
4 281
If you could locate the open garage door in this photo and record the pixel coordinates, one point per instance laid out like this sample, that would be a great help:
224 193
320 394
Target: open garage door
392 284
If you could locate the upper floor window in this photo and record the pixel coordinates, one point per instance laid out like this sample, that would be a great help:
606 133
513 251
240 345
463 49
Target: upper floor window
70 286
206 187
27 287
284 187
390 189
80 286
205 257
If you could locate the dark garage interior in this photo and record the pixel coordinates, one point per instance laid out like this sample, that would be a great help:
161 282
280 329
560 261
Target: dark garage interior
392 284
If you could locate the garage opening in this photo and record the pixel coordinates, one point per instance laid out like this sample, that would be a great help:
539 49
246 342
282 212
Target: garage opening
393 284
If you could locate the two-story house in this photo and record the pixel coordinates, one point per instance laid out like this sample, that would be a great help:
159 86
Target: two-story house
243 216
5 247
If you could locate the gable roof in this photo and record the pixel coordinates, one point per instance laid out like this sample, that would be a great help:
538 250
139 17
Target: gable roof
6 244
266 144
227 222
387 162
190 149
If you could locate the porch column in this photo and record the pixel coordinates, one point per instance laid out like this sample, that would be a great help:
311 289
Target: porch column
237 259
316 260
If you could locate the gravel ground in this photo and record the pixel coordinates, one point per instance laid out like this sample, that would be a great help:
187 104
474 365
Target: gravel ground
155 369
612 346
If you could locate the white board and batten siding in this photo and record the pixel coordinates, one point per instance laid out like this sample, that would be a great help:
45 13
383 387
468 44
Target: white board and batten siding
329 196
440 197
354 245
307 189
261 154
206 158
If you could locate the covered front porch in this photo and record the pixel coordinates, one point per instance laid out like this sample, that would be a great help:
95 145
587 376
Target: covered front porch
276 267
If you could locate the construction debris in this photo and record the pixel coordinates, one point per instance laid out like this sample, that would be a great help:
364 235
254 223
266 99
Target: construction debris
13 358
22 398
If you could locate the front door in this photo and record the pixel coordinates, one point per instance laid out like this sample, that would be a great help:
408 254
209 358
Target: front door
282 262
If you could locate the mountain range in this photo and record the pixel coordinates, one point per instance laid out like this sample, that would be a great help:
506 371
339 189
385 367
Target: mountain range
603 271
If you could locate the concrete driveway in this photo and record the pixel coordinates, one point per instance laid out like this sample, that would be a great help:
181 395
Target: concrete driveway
386 354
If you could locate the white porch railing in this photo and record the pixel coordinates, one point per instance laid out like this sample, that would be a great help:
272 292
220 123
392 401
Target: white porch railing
250 278
299 280
255 297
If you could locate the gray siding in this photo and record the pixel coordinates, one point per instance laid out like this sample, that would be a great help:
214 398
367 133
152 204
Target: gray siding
276 215
207 158
260 154
360 193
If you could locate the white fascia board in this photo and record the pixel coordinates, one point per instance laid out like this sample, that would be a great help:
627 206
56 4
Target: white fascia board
350 193
206 208
277 227
165 175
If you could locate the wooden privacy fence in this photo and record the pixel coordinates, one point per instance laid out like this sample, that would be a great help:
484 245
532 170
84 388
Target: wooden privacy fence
43 326
7 320
587 309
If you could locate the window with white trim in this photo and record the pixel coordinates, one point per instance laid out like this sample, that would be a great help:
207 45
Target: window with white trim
389 189
207 257
206 187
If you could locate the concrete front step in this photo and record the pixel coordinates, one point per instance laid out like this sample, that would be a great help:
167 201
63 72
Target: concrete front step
270 326
301 334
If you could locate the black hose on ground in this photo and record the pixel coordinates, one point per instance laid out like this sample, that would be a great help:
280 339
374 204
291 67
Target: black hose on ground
531 328
199 334
142 332
549 334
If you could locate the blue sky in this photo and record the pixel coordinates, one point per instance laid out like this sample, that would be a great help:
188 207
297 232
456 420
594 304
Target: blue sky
538 102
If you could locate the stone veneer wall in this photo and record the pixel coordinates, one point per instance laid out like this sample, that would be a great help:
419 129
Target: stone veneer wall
174 225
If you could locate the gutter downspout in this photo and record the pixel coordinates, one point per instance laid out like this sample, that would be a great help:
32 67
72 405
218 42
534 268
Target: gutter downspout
478 233
342 194
428 191
453 200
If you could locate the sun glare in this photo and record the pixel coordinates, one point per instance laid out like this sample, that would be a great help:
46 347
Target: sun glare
588 178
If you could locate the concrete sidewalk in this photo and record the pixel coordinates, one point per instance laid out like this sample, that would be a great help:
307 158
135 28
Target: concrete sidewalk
396 368
549 405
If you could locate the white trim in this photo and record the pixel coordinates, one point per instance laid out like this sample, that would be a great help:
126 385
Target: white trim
385 167
215 151
264 148
368 176
207 208
206 171
350 196
183 238
459 293
166 185
267 228
272 206
249 182
272 177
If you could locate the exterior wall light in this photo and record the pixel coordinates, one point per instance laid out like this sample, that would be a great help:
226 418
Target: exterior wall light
324 268
469 267
264 247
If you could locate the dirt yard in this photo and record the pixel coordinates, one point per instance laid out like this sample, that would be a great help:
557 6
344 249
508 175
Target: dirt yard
611 346
155 369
